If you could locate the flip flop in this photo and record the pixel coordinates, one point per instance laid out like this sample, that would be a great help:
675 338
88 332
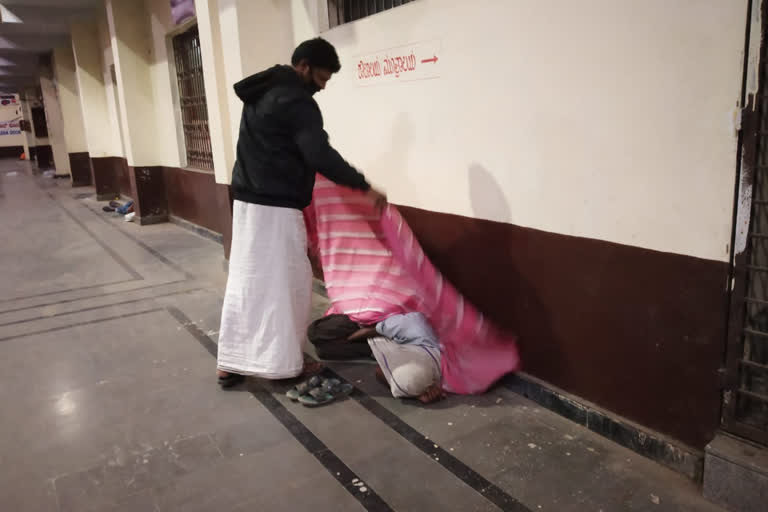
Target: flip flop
315 398
330 390
304 388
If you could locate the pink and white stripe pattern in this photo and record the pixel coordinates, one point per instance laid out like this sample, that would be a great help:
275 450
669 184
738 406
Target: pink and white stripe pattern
375 268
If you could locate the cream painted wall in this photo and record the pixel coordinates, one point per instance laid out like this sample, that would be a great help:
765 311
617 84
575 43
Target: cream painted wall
266 34
608 119
69 98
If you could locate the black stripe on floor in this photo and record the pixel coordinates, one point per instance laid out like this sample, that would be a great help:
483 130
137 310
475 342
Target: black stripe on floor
58 292
103 306
79 324
490 491
333 464
97 296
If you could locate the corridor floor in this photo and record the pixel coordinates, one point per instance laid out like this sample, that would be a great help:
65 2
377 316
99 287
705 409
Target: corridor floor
109 402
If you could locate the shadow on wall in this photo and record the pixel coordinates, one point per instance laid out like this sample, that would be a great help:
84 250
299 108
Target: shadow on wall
486 196
483 262
486 261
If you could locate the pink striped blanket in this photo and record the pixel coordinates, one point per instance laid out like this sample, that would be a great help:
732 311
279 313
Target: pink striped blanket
375 268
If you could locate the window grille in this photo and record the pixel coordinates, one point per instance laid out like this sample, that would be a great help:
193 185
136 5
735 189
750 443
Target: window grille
194 111
345 11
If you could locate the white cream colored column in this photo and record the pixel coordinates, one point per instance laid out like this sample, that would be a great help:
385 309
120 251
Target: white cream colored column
216 87
55 121
64 71
93 94
130 32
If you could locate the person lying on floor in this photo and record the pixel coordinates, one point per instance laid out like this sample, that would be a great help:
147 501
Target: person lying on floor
408 353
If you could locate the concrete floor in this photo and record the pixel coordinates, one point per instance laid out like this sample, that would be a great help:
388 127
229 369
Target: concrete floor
109 400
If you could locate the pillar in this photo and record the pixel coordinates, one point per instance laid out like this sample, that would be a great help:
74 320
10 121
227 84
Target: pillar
54 118
98 127
131 36
75 143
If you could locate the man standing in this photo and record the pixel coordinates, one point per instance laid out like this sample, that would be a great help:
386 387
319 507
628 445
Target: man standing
281 145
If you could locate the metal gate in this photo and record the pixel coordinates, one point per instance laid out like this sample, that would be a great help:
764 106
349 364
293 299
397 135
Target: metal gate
194 110
745 400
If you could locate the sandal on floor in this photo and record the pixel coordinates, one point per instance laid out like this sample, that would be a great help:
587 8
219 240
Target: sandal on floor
304 388
330 390
230 380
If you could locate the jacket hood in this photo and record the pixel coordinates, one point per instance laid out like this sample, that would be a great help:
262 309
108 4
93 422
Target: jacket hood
251 89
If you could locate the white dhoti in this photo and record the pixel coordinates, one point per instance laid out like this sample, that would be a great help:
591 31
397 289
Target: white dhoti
269 292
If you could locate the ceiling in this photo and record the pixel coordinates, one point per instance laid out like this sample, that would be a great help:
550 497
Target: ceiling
30 29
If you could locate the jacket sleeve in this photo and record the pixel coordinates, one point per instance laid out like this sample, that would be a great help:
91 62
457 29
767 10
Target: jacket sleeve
313 143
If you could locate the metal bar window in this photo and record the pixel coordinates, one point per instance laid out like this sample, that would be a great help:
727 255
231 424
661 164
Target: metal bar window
194 111
346 11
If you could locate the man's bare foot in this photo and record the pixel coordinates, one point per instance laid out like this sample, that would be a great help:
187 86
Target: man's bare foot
222 373
431 395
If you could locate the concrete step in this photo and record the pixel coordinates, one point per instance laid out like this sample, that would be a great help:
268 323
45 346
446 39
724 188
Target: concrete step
736 474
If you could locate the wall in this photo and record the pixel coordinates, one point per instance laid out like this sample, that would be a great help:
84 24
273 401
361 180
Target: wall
582 130
570 166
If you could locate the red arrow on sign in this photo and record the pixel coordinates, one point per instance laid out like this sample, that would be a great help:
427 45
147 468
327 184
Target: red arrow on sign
433 59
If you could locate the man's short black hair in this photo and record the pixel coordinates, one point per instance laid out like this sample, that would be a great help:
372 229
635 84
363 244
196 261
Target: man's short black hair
319 54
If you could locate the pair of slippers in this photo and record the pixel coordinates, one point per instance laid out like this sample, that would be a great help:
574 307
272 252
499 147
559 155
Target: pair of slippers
319 391
112 206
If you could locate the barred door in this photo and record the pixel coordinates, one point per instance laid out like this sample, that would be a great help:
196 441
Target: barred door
745 399
194 111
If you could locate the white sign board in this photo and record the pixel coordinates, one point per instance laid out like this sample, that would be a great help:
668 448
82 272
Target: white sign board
10 128
417 61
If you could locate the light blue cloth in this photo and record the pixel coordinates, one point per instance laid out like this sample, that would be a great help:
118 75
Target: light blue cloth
411 329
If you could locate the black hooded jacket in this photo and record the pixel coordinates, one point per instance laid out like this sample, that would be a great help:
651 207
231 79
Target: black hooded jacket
282 143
